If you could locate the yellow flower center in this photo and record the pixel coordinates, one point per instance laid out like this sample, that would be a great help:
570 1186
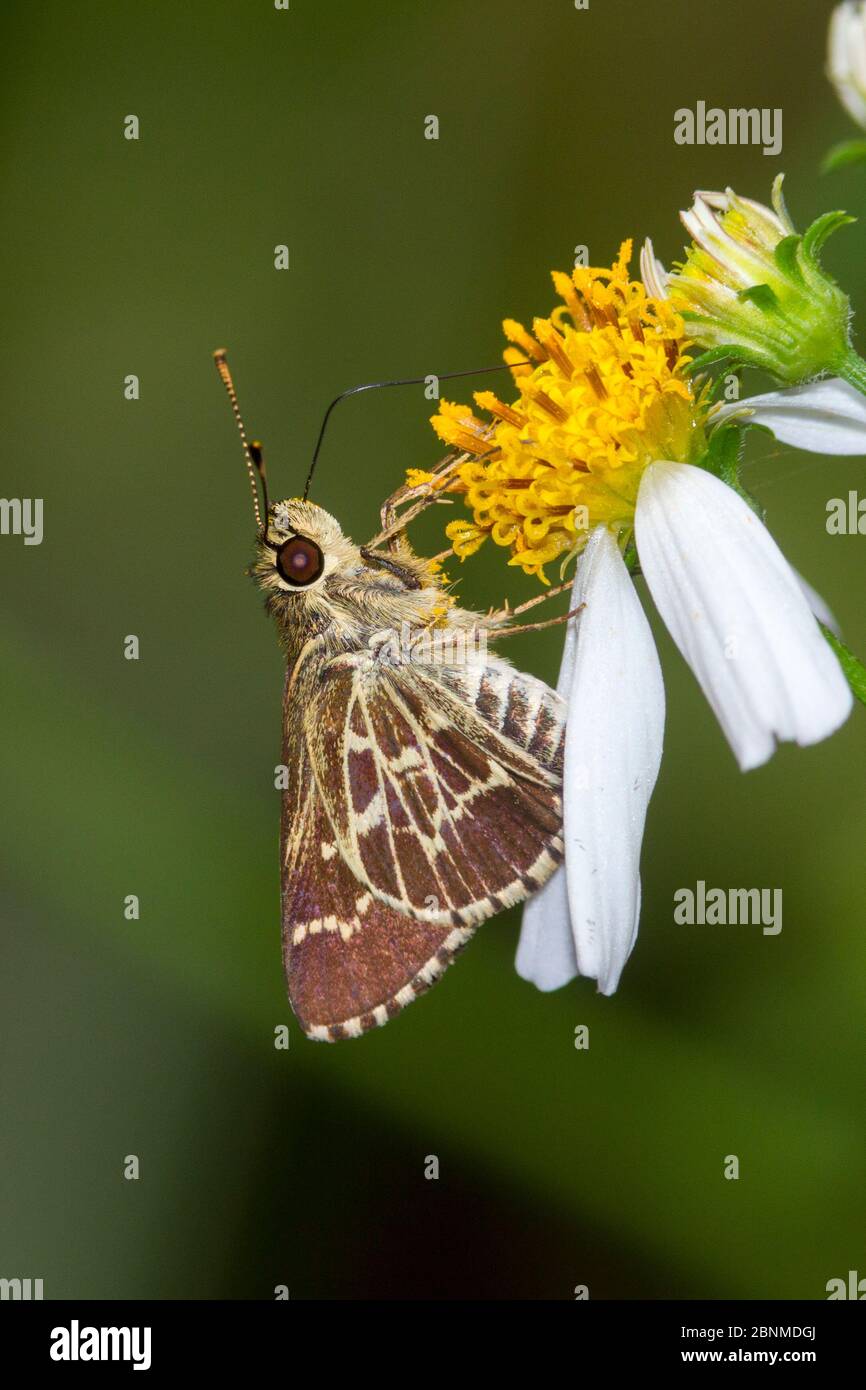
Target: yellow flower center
603 393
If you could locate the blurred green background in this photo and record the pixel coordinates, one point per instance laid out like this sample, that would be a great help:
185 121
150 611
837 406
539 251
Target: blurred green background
305 1168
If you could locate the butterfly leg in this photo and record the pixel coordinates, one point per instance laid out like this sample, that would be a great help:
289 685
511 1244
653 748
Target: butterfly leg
537 627
506 613
393 524
415 499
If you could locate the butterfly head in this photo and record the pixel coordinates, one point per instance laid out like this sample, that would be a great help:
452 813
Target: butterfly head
300 546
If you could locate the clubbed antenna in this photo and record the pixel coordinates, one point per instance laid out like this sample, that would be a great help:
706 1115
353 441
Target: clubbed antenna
252 452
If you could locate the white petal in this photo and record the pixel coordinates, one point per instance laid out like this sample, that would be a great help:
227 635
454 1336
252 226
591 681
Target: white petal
825 417
737 613
857 52
847 59
818 606
613 747
853 100
545 951
735 257
842 24
652 272
612 680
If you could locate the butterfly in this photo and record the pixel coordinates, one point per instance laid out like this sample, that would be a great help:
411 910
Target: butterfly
423 773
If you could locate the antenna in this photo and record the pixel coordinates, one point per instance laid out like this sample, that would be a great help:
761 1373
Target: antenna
377 385
258 457
252 452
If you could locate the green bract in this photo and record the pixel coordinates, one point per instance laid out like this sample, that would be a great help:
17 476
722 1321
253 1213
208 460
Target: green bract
752 289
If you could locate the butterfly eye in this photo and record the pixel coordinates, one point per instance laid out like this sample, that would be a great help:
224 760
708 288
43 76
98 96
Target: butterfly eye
300 561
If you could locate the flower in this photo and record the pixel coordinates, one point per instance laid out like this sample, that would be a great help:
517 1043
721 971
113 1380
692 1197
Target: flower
603 392
743 620
846 57
752 289
611 446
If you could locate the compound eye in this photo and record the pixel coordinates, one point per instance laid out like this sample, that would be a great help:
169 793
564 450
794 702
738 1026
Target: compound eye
300 561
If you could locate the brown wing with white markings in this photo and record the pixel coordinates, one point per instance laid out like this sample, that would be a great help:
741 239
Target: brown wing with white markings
424 800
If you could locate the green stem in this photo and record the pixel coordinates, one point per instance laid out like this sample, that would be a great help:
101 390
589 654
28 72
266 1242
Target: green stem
855 671
852 368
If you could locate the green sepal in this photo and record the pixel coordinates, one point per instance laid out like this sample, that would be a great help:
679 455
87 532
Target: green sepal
778 199
854 670
849 152
709 358
746 424
821 230
787 258
734 353
632 561
724 451
761 295
852 368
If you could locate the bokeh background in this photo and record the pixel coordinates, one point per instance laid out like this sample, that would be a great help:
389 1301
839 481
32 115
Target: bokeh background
305 1167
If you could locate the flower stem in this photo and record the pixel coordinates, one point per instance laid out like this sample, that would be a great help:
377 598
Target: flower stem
852 368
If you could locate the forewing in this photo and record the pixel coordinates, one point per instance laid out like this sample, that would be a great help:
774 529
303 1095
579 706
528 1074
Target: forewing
441 787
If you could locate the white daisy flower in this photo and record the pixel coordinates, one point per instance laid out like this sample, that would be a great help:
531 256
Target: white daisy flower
846 57
745 623
610 456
